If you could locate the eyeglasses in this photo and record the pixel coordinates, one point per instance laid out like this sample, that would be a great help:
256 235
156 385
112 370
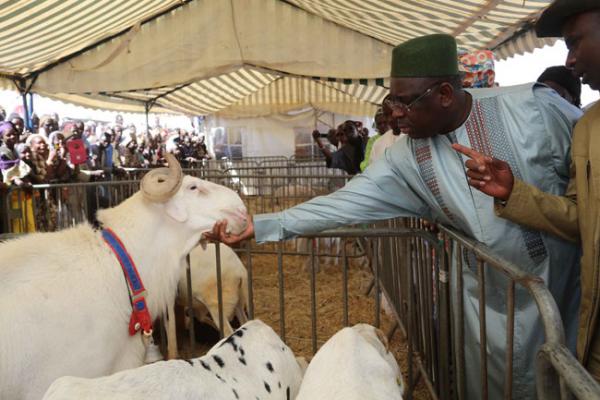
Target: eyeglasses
394 102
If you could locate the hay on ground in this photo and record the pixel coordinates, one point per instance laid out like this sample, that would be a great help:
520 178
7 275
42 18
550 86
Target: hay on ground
329 305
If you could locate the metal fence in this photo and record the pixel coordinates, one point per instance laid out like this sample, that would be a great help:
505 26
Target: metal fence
49 207
410 268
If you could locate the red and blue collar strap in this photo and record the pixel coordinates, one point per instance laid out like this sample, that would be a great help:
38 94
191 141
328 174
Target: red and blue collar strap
140 316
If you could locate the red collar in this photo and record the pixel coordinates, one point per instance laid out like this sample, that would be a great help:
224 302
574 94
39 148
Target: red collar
140 316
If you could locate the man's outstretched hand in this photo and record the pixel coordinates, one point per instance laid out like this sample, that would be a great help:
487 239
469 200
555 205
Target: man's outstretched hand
489 175
219 233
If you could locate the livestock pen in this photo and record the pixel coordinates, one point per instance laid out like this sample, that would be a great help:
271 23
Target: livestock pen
309 288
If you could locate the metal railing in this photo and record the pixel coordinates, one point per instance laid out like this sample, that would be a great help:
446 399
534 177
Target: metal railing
49 207
410 268
418 287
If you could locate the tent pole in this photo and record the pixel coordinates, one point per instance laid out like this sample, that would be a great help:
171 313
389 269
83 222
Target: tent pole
26 111
24 90
147 108
31 111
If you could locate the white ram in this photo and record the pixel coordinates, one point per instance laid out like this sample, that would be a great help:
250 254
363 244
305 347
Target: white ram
64 303
253 363
355 364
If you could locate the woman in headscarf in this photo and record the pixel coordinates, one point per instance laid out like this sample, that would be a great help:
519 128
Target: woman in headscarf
9 159
48 125
46 202
14 174
39 155
58 166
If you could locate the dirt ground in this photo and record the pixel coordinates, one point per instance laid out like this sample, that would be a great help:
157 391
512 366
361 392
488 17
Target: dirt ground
297 306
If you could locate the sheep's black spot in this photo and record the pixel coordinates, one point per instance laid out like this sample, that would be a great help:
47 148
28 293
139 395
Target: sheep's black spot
282 348
235 393
235 380
190 362
287 393
221 379
243 328
205 365
242 360
279 385
267 387
242 352
219 361
230 340
239 333
270 366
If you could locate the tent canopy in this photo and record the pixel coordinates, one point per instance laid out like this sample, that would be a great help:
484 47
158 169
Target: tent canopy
237 57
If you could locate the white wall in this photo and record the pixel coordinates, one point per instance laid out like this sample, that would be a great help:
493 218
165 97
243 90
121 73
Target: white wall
275 135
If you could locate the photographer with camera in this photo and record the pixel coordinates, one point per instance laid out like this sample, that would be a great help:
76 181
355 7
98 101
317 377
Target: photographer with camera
350 153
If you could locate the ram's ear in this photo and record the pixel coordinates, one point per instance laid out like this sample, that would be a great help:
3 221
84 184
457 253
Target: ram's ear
176 210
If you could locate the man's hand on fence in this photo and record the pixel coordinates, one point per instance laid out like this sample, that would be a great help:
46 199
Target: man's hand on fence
489 175
219 233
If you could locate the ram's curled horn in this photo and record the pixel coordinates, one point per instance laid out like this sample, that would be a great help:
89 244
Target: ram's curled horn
160 184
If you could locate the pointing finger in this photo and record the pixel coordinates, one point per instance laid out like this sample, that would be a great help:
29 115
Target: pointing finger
467 151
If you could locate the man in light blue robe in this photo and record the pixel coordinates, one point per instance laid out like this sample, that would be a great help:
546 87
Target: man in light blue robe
421 175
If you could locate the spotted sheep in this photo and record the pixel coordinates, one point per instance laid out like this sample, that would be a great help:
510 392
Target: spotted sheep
354 364
253 363
64 304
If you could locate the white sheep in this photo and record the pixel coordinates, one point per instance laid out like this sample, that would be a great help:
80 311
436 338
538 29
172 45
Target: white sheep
64 303
355 363
253 363
205 299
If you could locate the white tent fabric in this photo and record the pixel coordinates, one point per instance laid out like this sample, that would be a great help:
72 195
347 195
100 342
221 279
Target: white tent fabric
237 57
105 103
521 44
244 93
291 93
36 33
476 24
206 38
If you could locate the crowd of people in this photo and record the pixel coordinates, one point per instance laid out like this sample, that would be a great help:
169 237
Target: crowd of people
74 151
71 151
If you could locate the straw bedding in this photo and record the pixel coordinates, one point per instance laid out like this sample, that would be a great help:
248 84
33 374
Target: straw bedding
329 303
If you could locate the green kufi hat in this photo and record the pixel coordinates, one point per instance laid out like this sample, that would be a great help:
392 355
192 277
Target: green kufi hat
425 57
